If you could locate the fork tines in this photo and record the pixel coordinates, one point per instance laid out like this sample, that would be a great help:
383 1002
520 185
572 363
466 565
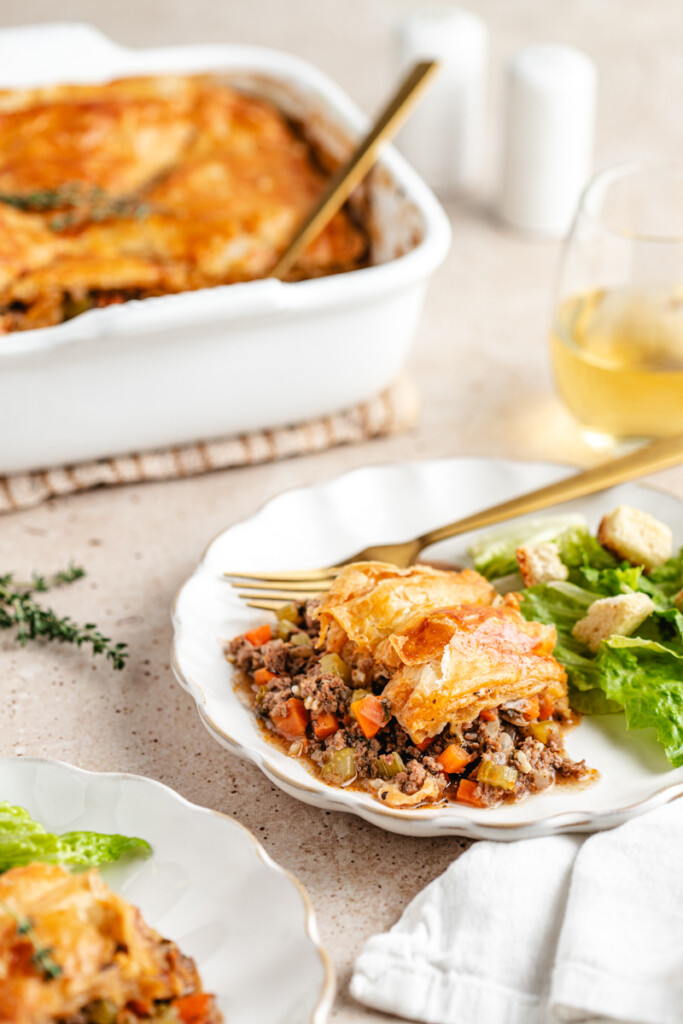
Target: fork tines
284 576
269 590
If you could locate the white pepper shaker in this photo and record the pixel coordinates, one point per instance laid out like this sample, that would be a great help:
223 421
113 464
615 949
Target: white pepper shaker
549 133
443 137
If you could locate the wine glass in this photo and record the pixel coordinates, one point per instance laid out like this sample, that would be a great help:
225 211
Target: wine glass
617 331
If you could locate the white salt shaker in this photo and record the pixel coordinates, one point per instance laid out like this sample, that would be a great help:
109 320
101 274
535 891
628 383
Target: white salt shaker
443 137
549 132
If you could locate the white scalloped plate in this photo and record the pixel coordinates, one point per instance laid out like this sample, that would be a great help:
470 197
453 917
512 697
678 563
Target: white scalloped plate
209 886
327 522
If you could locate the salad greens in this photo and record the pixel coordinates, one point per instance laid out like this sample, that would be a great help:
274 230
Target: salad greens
641 674
646 678
493 553
24 841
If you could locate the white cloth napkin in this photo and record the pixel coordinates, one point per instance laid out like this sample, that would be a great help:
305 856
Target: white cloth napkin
539 931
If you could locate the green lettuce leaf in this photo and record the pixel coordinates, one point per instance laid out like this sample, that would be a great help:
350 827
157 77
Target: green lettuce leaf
592 702
667 579
646 678
642 674
24 841
579 548
623 579
493 553
562 604
663 583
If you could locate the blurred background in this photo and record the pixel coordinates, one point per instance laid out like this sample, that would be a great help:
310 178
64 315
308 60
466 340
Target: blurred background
485 327
636 46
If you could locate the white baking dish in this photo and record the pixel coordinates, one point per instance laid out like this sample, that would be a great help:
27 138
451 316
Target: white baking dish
224 360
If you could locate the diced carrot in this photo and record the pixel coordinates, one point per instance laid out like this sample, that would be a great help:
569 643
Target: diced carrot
370 714
294 721
259 636
193 1009
546 706
454 759
488 715
531 711
262 676
424 744
142 1007
325 724
467 794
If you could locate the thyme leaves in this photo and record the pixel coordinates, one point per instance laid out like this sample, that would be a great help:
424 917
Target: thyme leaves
76 203
41 958
20 610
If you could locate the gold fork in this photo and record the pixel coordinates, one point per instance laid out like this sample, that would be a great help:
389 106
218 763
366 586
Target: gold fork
350 174
268 590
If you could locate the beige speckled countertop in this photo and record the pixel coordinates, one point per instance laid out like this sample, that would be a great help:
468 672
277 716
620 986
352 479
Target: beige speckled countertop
480 361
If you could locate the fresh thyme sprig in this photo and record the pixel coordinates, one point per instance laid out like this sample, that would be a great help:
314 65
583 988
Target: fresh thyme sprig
77 203
42 957
19 610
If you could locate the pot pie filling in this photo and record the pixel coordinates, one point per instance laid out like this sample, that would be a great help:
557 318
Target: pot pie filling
416 684
149 186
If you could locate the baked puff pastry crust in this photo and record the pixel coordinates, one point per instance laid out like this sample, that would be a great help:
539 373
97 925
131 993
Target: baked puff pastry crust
99 950
458 662
370 601
151 186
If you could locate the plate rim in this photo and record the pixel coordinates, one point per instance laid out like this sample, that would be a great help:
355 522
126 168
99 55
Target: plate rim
323 1006
438 824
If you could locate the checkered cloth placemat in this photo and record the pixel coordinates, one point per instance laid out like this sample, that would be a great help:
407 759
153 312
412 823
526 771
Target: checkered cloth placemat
394 411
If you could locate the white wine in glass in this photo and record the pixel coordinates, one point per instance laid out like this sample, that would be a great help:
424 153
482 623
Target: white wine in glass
617 332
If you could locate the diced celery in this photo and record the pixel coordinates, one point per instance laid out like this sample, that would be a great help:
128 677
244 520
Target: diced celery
389 765
499 775
340 767
74 307
358 695
542 731
301 640
336 666
285 628
102 1011
288 613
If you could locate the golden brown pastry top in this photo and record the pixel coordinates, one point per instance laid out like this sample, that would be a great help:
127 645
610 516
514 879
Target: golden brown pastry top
147 186
369 601
100 943
460 661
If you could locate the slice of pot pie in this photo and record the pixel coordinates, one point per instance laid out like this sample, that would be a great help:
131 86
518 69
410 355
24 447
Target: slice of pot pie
415 684
74 952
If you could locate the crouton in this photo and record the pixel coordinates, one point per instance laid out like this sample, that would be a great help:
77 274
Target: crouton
540 563
609 615
636 536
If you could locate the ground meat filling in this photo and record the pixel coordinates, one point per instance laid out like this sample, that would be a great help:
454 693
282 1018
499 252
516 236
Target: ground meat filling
329 709
322 691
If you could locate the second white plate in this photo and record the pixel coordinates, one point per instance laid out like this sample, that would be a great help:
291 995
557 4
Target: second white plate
208 885
327 522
